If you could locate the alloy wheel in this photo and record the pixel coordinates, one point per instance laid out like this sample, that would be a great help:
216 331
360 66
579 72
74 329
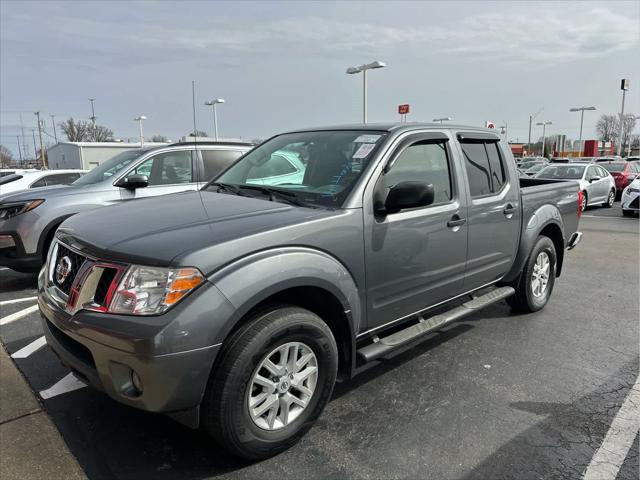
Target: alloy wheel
540 275
282 386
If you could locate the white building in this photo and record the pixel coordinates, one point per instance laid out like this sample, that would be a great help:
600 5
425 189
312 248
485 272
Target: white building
87 155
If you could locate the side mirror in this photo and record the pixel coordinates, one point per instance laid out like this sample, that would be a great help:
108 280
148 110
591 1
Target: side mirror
133 181
408 195
594 179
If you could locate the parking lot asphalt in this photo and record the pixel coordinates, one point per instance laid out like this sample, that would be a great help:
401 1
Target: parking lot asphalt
498 395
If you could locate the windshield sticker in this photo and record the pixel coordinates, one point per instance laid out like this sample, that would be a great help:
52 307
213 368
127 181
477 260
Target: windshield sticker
367 139
364 150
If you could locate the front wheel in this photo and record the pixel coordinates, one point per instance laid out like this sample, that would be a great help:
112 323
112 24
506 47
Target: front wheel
610 199
535 284
272 382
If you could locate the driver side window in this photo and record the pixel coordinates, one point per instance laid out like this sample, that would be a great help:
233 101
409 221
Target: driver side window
425 162
168 168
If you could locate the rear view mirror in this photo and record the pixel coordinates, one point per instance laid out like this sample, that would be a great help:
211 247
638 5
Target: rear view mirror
406 195
133 181
594 179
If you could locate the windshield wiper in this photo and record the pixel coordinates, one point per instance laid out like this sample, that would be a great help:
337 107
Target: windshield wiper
288 197
228 187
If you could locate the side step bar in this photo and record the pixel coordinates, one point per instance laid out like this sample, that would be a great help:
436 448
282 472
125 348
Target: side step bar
383 346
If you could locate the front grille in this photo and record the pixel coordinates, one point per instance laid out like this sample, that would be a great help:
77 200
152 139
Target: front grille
102 288
76 260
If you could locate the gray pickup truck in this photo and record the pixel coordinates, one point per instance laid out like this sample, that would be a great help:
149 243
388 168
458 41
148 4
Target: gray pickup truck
238 306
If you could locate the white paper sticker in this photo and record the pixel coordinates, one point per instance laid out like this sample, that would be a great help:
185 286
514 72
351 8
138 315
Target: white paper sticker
367 139
364 150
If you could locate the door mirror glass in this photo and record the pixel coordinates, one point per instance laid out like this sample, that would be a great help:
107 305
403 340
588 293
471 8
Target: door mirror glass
406 195
133 181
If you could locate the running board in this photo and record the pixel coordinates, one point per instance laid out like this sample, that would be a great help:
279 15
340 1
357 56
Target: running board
385 345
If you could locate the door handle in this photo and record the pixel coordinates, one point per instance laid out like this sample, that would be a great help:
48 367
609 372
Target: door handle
509 209
456 221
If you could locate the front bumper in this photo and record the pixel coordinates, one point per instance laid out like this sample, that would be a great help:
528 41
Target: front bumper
630 200
14 256
104 350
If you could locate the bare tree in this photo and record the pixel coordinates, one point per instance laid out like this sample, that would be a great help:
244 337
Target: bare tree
85 131
6 157
75 131
199 133
627 128
158 139
99 133
607 128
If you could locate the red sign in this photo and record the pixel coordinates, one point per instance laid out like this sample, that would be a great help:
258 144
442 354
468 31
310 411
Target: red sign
489 124
403 109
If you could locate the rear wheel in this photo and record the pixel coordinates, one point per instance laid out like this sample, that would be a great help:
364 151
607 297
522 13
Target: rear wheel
610 199
271 384
585 202
535 284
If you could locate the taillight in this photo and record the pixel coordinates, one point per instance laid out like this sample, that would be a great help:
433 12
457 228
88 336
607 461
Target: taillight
579 204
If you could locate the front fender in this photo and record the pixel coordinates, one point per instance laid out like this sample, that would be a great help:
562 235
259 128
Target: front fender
542 218
252 279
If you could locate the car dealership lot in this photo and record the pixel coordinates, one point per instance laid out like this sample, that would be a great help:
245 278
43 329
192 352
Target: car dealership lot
505 395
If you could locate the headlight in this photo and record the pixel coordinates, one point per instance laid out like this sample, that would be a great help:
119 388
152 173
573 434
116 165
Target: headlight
153 290
9 210
633 190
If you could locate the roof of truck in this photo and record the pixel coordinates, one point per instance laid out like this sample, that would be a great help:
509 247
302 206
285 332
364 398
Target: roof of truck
395 127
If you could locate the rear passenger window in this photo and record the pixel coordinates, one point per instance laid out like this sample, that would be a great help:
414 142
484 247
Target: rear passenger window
485 167
40 183
62 178
215 161
424 162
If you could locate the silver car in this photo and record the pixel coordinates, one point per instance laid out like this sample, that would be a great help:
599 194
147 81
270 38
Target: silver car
596 184
29 219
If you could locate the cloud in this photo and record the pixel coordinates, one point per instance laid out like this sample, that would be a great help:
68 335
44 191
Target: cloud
542 39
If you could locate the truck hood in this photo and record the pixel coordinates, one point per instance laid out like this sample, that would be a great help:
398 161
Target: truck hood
157 231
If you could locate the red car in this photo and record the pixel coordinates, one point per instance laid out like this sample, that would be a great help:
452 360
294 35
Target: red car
623 173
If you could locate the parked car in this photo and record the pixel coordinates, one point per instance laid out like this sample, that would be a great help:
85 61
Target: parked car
632 159
525 165
631 197
37 179
596 185
534 169
622 172
13 171
237 307
29 219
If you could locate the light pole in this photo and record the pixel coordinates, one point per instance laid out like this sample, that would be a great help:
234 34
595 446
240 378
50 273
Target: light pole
139 119
442 119
53 123
40 124
624 86
93 119
363 69
213 103
581 110
544 129
632 118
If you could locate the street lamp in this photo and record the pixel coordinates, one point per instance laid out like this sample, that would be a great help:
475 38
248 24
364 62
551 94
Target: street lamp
363 69
624 86
139 119
442 119
581 110
544 128
213 103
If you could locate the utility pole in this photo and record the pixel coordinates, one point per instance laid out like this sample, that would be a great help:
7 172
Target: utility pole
35 148
624 86
44 162
53 122
19 149
24 139
93 119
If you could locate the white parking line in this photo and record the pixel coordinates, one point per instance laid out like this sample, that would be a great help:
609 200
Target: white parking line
18 315
17 300
24 352
616 444
67 384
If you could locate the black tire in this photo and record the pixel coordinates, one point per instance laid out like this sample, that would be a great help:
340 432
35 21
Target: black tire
610 199
627 213
524 300
225 412
585 201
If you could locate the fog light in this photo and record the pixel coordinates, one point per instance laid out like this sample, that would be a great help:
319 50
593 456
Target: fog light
135 380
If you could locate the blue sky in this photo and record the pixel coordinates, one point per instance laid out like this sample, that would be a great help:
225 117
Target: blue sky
281 65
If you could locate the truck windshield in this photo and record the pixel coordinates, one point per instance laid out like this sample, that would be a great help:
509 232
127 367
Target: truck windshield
571 172
109 168
317 168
